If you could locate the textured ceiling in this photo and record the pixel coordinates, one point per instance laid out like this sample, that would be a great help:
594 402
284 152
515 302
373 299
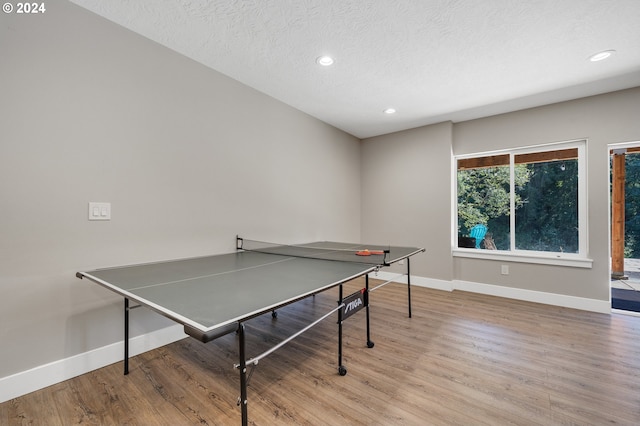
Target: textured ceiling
432 60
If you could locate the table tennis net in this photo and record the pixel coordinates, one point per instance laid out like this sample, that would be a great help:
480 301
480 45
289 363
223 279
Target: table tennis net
346 253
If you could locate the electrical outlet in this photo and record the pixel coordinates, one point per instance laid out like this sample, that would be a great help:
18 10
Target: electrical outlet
504 269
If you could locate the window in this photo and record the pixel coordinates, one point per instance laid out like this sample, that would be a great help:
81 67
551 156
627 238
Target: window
524 201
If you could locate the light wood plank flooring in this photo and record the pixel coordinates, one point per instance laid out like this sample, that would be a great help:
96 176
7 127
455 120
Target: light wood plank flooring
463 359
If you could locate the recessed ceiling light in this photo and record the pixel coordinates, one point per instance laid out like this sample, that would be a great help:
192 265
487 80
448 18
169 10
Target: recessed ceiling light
325 61
389 111
600 56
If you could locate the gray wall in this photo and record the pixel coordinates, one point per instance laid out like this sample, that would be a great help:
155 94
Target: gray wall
602 120
188 158
406 195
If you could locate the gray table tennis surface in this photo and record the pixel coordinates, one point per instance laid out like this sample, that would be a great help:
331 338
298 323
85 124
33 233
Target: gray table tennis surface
206 293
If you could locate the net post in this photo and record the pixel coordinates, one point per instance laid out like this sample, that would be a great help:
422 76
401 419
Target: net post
239 242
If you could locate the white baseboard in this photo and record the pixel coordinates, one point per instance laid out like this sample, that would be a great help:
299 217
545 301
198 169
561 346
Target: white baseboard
582 303
55 372
418 281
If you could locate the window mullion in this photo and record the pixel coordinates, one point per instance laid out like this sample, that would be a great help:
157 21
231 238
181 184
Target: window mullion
582 202
512 203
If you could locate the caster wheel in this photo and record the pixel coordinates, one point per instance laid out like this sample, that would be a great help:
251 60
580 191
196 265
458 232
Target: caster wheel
342 371
370 344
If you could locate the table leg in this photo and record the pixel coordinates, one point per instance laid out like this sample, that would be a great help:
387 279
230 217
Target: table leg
409 284
370 343
126 336
243 375
341 369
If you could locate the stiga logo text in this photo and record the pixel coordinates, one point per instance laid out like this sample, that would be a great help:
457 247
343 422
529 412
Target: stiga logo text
353 303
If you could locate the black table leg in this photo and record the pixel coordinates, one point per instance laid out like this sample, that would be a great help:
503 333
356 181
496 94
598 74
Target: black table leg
341 369
126 336
409 284
370 343
243 375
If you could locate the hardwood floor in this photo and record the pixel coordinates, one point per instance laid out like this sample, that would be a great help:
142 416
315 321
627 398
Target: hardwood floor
463 359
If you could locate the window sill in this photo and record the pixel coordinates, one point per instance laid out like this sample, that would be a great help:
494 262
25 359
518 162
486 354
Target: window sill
539 258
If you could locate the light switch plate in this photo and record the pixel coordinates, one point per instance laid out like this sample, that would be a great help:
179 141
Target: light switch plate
99 211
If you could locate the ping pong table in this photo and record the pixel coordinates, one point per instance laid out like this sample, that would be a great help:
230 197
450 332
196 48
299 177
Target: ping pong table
212 296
